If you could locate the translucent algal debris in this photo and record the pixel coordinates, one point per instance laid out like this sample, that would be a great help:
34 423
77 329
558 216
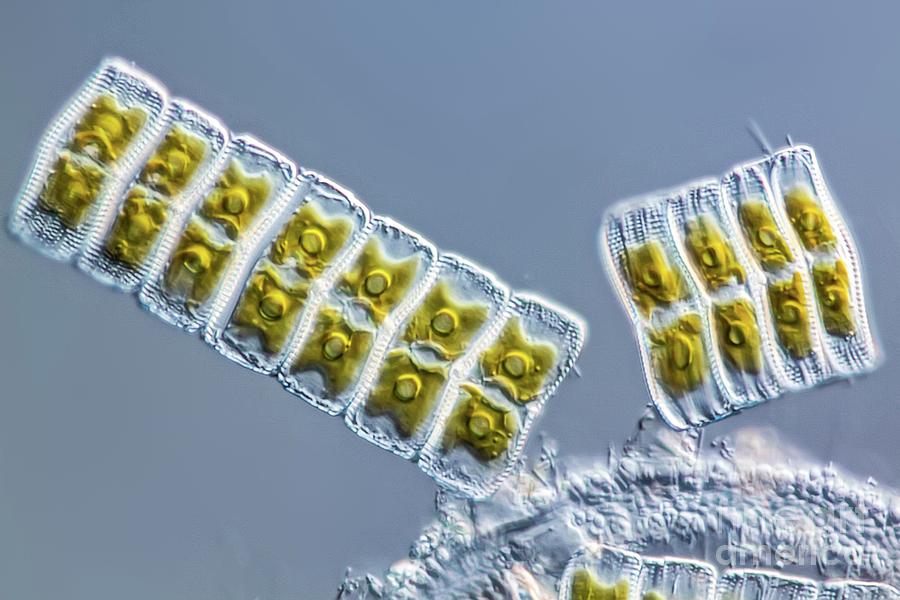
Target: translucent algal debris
752 503
725 321
285 272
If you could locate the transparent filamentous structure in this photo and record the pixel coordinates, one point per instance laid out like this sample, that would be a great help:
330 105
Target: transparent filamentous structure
740 288
285 272
664 517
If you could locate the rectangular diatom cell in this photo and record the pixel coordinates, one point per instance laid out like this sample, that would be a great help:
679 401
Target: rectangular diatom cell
238 204
356 318
322 228
599 571
732 295
831 256
398 411
121 249
84 155
857 590
751 584
664 304
497 394
777 260
676 579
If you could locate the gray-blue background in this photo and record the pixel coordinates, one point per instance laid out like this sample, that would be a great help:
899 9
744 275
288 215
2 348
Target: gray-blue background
135 463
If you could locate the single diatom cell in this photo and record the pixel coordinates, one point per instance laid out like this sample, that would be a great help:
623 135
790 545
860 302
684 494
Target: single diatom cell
285 272
765 239
312 239
377 281
711 253
671 578
479 425
585 587
600 572
406 392
833 293
335 350
269 305
107 129
138 224
517 365
174 162
738 335
808 219
653 280
788 301
236 199
445 324
679 359
72 188
197 264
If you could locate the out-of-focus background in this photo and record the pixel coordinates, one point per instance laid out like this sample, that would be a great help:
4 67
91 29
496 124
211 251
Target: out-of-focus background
135 463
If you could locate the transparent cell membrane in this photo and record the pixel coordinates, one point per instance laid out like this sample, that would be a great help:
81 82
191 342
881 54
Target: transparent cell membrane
748 518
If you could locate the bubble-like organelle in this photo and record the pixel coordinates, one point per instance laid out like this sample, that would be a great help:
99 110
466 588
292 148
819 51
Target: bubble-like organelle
288 274
662 517
739 288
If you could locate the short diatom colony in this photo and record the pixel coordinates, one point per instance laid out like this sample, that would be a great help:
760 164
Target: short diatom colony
740 288
288 274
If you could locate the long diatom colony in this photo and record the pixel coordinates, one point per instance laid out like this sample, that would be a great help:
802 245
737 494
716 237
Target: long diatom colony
663 518
286 273
739 288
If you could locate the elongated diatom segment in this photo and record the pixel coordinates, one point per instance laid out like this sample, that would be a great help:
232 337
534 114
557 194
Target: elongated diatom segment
600 572
846 589
642 245
790 326
830 256
751 584
743 360
84 155
286 273
398 412
498 392
385 279
121 250
322 227
669 578
231 211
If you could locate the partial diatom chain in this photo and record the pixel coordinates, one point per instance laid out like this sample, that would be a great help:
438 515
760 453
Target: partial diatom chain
600 572
288 274
740 288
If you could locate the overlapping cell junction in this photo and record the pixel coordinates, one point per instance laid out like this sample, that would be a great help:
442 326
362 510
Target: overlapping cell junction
288 274
667 516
